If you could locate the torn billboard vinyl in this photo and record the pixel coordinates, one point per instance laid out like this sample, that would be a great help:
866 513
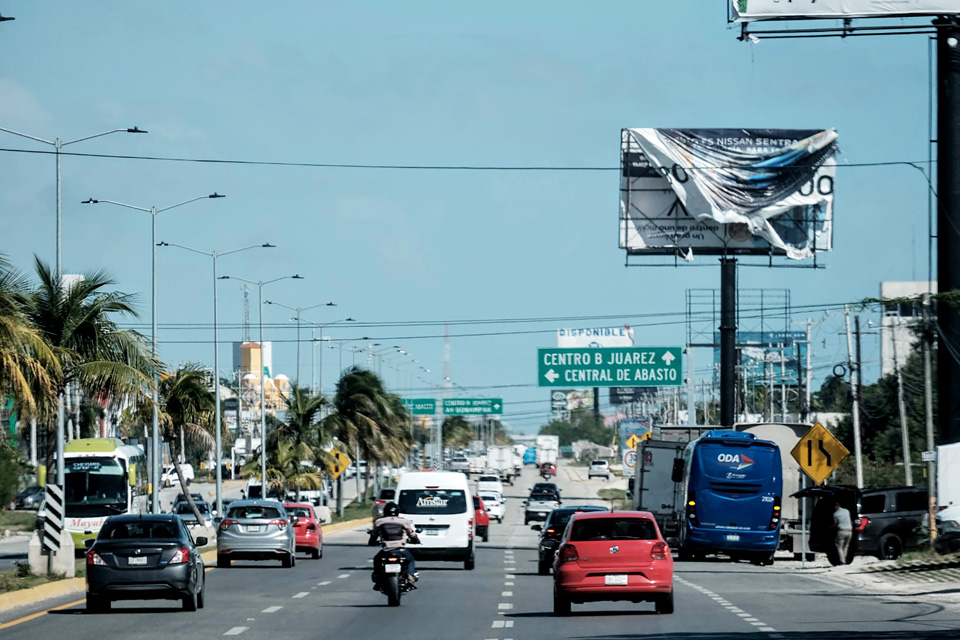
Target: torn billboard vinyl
727 191
750 10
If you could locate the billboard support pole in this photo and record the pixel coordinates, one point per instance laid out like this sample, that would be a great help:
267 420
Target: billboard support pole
728 340
948 220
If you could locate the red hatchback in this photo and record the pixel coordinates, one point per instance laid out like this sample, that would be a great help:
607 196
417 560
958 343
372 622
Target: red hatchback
308 531
482 518
617 555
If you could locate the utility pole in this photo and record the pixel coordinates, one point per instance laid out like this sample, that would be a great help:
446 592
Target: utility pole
783 384
807 405
854 392
928 409
904 434
691 390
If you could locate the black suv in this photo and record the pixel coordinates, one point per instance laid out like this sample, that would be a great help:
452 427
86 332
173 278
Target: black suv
552 531
886 521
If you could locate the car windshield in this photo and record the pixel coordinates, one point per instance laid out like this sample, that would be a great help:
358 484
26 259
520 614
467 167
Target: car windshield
251 512
488 479
95 487
489 497
599 463
300 512
184 508
387 494
613 529
432 501
140 529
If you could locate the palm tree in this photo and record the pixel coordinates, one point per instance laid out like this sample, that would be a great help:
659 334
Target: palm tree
369 419
285 469
76 318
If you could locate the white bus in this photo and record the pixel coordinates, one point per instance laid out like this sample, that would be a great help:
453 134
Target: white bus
102 477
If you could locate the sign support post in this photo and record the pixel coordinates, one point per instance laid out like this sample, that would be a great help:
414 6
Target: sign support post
728 341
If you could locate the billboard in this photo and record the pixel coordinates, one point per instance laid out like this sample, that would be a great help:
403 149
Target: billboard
563 401
595 338
626 395
727 191
753 10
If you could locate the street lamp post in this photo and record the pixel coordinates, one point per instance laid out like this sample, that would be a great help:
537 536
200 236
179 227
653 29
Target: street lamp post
218 454
298 311
313 350
263 413
155 432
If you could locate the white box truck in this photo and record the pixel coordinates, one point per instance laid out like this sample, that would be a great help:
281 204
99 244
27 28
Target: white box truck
548 449
948 475
500 461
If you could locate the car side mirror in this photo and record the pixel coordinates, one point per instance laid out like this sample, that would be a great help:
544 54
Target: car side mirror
536 527
673 543
88 542
677 474
201 541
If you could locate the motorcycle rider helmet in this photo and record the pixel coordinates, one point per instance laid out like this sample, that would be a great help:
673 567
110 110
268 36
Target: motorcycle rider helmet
391 510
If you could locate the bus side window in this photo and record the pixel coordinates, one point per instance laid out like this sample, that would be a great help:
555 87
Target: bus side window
677 475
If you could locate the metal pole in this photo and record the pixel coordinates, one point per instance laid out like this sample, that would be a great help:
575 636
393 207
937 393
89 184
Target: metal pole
809 375
263 407
904 435
313 360
854 388
728 340
298 347
58 144
928 410
216 392
155 422
691 390
783 384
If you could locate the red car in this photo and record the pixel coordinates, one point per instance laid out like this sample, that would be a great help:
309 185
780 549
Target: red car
482 518
308 531
617 555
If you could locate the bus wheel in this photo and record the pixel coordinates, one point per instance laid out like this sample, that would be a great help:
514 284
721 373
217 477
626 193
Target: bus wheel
684 555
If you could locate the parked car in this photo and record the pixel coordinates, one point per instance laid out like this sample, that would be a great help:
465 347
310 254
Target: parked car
257 530
387 494
599 469
29 498
948 531
886 520
618 555
189 518
494 502
539 505
552 530
307 531
489 482
482 518
144 557
169 475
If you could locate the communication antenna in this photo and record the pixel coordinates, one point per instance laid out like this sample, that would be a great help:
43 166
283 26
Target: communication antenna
246 314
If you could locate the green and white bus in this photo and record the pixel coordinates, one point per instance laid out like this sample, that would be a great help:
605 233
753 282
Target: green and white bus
103 477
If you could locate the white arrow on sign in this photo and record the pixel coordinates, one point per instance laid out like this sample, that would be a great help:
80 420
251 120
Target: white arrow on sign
551 376
496 406
669 358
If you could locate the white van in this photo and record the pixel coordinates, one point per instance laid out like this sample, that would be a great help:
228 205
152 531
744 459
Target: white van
439 503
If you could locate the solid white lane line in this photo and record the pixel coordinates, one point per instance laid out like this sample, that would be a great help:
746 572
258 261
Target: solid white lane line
302 594
236 631
272 609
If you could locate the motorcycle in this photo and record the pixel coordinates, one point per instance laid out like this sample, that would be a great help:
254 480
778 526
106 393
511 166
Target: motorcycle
391 576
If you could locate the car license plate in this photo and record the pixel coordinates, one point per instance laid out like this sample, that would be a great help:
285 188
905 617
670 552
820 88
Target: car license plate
733 538
253 528
619 579
432 532
391 568
141 560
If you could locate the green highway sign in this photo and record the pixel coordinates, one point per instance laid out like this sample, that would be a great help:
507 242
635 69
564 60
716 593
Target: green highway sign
472 406
610 367
421 406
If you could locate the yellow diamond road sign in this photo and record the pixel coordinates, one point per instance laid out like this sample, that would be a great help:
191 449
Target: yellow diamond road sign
819 453
633 441
341 462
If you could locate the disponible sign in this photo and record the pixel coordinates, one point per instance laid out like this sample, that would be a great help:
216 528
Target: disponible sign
472 406
751 10
610 367
595 337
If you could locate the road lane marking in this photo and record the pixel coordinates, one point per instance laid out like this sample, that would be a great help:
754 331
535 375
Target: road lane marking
508 584
768 629
236 631
343 575
302 594
32 616
498 624
323 584
509 624
510 576
504 605
273 609
743 614
507 594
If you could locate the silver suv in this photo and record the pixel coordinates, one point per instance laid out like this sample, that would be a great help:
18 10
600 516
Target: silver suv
599 469
257 530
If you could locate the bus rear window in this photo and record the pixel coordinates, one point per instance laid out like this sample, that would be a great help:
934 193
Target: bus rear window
432 501
745 464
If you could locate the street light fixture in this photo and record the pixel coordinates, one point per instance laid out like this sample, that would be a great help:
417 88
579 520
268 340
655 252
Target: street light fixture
218 455
155 432
263 413
313 350
298 311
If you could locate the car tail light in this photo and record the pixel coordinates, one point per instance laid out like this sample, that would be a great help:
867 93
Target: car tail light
93 558
181 556
281 524
550 530
862 523
568 553
775 518
470 528
691 508
226 524
659 551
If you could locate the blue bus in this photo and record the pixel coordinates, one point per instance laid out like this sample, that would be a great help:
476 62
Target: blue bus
733 484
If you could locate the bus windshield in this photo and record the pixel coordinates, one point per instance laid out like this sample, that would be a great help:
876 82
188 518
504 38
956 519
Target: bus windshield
94 487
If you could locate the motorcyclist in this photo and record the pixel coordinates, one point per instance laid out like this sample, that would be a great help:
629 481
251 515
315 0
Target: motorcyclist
393 533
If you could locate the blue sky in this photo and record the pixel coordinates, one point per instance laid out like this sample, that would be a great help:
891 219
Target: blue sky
432 83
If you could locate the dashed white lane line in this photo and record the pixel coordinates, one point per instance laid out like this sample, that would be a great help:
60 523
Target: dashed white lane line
508 583
272 609
235 631
507 594
510 576
500 624
343 575
740 613
504 605
323 584
302 594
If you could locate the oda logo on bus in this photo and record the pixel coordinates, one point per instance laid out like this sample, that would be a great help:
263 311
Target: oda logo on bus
739 459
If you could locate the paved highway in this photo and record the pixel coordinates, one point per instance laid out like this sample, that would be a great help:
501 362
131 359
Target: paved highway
503 598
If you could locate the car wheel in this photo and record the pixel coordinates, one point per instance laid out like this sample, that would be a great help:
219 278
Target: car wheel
486 536
201 594
190 602
286 561
684 555
526 521
469 563
890 547
664 603
561 605
97 604
223 562
320 552
543 568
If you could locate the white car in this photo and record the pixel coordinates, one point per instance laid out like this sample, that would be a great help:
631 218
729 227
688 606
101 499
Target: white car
489 483
169 476
494 503
600 469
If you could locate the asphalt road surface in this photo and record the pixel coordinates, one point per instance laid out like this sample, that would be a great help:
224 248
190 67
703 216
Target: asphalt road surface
503 598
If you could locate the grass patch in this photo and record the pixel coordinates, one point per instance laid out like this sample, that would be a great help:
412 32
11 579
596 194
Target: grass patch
617 498
20 577
18 520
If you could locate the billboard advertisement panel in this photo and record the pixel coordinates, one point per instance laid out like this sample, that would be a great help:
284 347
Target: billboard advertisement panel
595 337
626 395
563 401
727 191
753 10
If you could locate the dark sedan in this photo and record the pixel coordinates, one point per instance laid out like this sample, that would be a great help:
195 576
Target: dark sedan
144 557
552 531
29 498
